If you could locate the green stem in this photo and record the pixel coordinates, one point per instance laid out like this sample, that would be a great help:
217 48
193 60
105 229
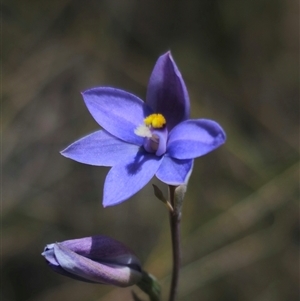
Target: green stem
150 286
175 217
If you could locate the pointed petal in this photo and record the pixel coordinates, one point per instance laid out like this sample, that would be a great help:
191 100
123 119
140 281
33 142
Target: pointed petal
125 179
117 111
167 93
194 138
174 172
100 149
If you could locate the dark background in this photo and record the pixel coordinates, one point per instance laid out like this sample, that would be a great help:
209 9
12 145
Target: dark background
240 62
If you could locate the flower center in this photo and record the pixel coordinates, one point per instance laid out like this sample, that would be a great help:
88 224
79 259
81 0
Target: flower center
157 121
155 134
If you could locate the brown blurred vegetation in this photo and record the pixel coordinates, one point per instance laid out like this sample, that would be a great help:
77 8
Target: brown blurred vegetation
240 61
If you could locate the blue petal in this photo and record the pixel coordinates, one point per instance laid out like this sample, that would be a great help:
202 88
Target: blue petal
117 111
125 179
194 138
174 172
167 93
100 149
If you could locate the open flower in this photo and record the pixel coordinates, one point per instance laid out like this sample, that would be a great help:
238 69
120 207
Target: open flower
96 259
142 139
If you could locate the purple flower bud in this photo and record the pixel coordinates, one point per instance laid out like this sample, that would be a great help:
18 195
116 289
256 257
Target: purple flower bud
96 259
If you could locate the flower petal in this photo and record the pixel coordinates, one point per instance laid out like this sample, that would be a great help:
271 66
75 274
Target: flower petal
125 179
194 138
167 93
49 255
55 266
100 149
102 248
94 271
174 172
117 111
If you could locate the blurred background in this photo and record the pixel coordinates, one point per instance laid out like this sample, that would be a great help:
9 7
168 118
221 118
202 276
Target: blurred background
240 224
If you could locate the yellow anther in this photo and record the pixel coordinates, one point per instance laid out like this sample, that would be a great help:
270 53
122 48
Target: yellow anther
155 120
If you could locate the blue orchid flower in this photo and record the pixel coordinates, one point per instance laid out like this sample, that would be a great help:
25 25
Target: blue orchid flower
142 139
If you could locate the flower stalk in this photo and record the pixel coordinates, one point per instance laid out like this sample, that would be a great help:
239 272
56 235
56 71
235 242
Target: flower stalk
176 195
150 286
